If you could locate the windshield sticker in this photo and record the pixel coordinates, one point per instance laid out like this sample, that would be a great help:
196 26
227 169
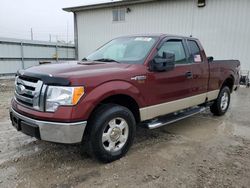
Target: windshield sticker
145 39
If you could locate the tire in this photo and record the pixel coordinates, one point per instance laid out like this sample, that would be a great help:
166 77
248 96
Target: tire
110 133
221 104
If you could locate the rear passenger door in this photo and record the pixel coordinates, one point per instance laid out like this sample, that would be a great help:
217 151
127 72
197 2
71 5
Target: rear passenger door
200 69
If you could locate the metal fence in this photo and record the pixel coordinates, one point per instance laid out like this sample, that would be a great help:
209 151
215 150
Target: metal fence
20 54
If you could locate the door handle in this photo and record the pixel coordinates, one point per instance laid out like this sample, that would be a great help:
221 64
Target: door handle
189 75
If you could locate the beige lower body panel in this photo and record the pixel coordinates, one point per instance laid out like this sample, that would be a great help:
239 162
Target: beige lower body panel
212 95
151 112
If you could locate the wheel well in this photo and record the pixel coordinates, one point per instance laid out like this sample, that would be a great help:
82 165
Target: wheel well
229 82
123 100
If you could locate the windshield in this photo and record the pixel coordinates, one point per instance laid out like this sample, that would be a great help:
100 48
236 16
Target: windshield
132 50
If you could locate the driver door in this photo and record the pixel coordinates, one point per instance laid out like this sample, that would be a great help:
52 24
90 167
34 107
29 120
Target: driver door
166 90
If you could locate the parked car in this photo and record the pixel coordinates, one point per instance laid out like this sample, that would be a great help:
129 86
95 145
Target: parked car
146 80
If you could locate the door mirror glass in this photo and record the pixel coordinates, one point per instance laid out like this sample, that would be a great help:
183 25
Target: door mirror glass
164 63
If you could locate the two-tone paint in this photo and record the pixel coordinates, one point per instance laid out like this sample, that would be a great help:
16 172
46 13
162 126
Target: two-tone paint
155 93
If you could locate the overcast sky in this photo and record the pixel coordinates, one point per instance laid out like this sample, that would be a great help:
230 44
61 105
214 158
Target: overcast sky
45 17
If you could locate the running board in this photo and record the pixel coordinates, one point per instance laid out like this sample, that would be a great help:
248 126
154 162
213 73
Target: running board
171 118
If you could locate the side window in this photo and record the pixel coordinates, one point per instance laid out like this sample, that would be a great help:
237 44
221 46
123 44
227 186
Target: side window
195 51
175 47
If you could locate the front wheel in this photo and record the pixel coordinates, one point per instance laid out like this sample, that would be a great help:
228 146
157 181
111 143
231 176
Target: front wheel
221 104
111 132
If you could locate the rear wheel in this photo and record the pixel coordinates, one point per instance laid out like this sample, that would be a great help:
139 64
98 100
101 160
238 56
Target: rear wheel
221 104
111 132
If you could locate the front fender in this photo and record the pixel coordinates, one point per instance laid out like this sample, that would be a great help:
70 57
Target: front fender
87 104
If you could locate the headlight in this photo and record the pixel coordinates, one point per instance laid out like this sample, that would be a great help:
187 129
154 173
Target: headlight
57 96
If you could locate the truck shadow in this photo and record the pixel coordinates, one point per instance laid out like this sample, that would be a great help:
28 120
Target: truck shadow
52 160
191 128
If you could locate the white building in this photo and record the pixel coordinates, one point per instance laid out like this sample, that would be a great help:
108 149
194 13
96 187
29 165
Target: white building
223 26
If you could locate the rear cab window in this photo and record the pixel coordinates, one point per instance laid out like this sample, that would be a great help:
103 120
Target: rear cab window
195 51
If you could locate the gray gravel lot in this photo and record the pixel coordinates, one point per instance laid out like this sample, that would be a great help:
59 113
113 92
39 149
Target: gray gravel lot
201 151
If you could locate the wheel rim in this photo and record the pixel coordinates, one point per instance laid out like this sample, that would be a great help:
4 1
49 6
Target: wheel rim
115 135
224 101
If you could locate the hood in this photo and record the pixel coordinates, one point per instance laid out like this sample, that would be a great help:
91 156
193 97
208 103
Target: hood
77 71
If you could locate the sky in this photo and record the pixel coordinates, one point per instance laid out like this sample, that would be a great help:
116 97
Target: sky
45 17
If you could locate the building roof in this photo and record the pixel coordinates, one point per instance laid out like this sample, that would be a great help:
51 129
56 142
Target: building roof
35 42
106 5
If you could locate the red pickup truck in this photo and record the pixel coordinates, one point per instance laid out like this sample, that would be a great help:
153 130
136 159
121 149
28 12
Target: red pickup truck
147 80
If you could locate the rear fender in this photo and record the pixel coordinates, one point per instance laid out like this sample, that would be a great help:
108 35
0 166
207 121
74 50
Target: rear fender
228 82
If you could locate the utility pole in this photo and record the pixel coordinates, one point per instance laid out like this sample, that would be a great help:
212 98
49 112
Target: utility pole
67 39
49 37
31 33
67 32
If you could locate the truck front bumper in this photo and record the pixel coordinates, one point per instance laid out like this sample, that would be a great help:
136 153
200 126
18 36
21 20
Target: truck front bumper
67 133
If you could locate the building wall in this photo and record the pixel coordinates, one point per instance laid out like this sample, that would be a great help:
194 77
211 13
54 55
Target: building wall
223 26
18 54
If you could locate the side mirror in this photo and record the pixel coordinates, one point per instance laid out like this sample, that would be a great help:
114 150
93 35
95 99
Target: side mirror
210 59
164 63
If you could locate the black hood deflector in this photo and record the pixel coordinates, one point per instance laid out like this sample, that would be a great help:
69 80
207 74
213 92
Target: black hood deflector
46 78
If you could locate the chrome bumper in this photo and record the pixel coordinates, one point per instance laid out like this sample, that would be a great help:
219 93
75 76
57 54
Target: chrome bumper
67 133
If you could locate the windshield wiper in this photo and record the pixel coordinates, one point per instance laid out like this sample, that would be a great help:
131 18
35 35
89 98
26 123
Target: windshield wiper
107 60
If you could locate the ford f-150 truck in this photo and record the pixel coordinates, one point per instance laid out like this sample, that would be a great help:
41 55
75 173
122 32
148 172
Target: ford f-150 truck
146 80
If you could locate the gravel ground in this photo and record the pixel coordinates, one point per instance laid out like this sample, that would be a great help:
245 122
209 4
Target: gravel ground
201 151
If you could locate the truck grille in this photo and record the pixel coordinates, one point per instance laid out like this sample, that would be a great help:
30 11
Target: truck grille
30 92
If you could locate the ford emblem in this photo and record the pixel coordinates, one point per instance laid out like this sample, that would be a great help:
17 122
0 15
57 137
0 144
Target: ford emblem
20 89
